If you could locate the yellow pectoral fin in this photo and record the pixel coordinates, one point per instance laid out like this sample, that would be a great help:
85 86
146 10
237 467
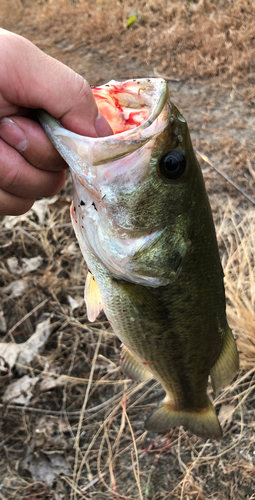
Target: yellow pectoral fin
92 297
133 368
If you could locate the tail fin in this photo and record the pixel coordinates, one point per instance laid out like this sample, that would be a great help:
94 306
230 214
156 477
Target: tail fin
227 364
203 423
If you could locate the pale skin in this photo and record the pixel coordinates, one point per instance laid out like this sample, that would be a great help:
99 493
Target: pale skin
30 167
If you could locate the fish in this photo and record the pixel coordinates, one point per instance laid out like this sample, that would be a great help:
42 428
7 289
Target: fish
144 224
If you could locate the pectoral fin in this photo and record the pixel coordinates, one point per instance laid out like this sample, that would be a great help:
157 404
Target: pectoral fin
227 364
203 422
92 297
132 367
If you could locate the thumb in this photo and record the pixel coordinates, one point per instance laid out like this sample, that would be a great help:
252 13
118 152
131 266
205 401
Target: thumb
32 79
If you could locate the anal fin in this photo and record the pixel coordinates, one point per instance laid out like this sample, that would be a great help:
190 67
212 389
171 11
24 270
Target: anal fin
204 422
133 368
92 297
227 364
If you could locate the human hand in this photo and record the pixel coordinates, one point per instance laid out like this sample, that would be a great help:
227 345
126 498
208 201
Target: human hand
30 167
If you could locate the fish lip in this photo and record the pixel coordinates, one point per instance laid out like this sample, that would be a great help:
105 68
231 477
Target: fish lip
101 150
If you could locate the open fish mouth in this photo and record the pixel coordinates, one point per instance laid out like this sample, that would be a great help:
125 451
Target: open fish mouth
131 104
132 108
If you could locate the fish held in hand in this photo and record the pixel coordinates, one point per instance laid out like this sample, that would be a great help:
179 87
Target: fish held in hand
144 224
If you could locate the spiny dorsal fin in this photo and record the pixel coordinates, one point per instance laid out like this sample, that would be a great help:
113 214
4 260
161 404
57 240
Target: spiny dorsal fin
92 297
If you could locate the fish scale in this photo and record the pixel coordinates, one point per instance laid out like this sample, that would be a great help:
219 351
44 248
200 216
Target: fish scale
144 224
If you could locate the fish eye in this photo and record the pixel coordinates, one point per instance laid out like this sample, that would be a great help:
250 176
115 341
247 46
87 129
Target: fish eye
173 164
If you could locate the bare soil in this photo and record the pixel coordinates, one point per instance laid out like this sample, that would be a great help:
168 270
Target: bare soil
78 432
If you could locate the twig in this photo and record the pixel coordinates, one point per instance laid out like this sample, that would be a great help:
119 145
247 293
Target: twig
189 469
69 413
93 441
136 473
94 481
181 463
27 316
226 177
31 237
77 441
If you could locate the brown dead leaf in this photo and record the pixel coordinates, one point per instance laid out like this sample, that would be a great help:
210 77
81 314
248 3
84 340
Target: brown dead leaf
75 302
3 326
46 466
20 391
226 414
49 382
28 265
15 288
22 354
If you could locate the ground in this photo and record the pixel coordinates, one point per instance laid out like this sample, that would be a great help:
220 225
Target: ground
74 429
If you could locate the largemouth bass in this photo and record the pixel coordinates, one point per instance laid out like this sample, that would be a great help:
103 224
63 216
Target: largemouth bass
144 224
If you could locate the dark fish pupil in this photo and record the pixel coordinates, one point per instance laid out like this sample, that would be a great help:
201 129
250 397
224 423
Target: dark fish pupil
173 165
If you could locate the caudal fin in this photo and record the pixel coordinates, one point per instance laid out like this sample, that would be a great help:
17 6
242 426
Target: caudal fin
203 423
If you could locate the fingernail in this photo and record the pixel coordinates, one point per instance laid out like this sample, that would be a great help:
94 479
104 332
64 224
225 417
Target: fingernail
102 126
12 134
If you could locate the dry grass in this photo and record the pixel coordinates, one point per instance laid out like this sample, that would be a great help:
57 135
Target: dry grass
87 426
179 39
94 416
237 233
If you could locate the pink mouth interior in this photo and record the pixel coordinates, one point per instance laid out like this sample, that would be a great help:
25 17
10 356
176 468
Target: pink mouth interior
115 103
